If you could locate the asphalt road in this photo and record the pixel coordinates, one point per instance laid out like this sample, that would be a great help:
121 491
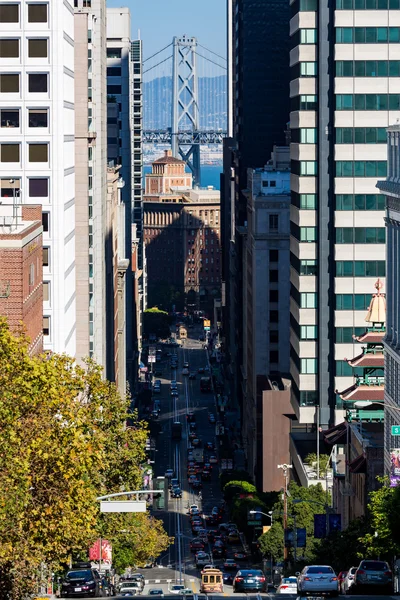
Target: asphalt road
177 564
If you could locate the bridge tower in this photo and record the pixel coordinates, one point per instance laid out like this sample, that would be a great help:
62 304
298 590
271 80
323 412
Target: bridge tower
185 107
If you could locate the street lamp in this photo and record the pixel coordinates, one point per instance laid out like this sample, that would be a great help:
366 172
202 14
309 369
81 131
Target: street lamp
260 512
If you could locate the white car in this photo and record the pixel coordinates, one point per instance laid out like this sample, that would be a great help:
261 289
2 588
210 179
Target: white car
318 579
202 558
185 371
288 585
348 581
179 589
129 587
193 509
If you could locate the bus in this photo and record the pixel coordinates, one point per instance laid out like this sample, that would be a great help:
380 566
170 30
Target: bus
176 430
205 384
211 581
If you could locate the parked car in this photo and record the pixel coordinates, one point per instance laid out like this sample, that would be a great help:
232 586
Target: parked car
288 585
249 580
348 581
318 579
373 575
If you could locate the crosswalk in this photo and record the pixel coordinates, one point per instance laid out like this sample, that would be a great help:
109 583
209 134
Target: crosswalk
148 581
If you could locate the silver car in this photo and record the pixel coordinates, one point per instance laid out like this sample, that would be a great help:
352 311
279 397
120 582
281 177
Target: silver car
348 581
318 579
373 574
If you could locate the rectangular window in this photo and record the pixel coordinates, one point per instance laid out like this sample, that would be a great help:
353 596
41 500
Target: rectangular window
9 48
38 188
274 336
308 36
113 52
273 316
38 117
31 275
9 13
46 256
308 366
308 102
46 325
274 356
113 90
273 255
9 118
273 222
308 69
37 83
308 201
45 221
46 291
113 71
308 234
37 13
37 48
38 153
273 276
10 153
308 332
308 267
273 296
308 167
308 135
9 83
308 300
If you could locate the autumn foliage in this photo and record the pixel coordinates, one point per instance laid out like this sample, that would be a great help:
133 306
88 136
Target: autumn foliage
64 442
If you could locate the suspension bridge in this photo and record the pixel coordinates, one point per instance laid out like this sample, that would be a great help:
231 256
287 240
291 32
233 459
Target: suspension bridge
185 99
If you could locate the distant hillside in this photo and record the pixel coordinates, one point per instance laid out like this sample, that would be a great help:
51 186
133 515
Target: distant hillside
157 98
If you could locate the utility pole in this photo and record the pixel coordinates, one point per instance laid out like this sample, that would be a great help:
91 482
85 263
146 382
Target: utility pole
285 469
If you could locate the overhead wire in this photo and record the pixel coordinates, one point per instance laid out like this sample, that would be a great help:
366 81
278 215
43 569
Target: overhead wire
211 61
208 50
157 65
155 54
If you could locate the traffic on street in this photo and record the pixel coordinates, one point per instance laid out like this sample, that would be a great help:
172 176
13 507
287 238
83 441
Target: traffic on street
209 556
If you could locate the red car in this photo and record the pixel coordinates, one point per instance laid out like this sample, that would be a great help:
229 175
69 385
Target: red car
196 545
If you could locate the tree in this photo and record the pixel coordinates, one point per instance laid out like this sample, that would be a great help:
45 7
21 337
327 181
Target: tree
165 295
342 549
156 322
64 442
271 543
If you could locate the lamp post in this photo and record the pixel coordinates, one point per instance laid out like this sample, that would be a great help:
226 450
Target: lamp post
269 515
285 468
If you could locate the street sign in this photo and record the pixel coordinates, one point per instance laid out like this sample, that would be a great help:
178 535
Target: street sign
123 506
253 523
395 429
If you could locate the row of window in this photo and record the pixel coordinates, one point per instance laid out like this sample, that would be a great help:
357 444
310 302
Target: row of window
367 101
37 83
361 168
37 117
37 152
342 201
360 135
360 268
304 69
37 13
309 366
352 301
344 335
360 235
367 4
343 135
303 234
360 202
37 47
367 35
303 267
38 187
303 36
304 167
367 68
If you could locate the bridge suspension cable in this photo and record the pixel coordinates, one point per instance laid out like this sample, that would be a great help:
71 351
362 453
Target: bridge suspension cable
209 60
155 54
158 64
211 51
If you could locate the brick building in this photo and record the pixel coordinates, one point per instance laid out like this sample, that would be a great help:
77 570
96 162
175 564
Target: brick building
21 271
181 235
167 174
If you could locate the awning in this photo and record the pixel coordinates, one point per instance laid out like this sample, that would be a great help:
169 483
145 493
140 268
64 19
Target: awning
336 434
358 465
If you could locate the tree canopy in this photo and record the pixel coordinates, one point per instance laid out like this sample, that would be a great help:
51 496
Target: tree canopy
156 322
64 442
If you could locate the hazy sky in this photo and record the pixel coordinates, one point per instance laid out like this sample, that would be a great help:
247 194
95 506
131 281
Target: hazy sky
159 20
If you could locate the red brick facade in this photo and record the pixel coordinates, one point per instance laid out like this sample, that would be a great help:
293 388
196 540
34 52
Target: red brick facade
21 275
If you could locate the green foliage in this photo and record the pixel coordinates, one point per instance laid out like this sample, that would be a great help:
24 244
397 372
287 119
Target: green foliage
343 549
165 295
64 442
271 543
311 460
157 322
234 476
235 487
302 513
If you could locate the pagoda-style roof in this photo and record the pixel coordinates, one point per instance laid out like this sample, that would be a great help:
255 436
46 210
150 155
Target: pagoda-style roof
358 392
367 359
377 309
371 336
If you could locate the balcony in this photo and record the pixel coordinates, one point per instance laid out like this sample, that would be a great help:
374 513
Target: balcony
300 445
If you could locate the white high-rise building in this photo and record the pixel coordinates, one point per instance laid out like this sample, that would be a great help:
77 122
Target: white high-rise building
37 144
345 92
